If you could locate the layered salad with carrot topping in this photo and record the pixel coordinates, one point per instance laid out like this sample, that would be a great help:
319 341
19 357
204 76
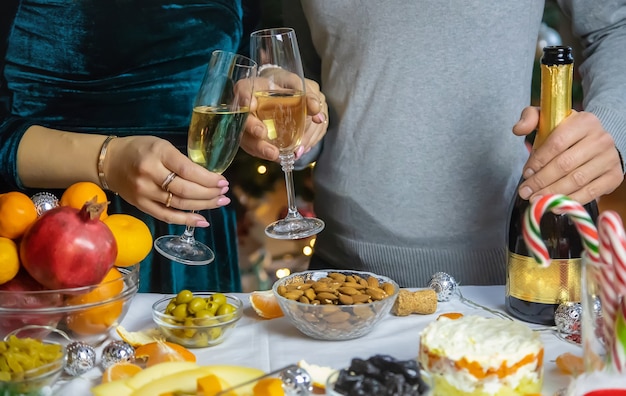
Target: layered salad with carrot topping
480 356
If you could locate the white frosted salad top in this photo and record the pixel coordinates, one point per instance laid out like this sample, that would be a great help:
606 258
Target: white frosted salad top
487 341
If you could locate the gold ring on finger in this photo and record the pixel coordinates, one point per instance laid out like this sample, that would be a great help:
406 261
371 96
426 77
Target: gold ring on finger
168 201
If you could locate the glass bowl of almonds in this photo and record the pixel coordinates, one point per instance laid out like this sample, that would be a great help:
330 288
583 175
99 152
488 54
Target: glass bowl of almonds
335 304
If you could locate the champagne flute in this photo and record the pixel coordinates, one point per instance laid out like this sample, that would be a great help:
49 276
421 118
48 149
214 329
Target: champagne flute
281 105
217 122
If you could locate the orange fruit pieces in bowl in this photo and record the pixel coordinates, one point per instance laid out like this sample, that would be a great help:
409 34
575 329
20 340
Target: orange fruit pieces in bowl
17 213
265 304
99 318
163 351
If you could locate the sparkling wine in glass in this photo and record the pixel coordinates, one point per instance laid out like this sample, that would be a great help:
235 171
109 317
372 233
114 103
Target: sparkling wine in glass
281 105
217 122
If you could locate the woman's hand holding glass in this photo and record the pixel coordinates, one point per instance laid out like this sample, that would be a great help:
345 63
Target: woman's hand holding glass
137 166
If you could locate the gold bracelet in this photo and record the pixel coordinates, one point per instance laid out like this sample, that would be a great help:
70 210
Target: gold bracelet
103 153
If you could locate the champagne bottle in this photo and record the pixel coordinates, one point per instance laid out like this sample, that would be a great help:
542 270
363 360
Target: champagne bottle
532 293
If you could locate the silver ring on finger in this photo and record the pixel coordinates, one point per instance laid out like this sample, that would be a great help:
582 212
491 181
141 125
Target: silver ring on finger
166 183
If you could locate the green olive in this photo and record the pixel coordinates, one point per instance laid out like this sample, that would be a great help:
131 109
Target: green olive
218 298
204 314
180 312
226 309
184 296
212 307
197 304
170 307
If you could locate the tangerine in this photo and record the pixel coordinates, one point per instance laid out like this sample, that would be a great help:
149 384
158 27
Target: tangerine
268 387
120 370
9 260
17 213
570 364
133 237
265 304
98 319
163 351
79 193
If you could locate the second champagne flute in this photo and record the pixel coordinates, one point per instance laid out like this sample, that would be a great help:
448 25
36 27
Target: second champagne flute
281 105
219 115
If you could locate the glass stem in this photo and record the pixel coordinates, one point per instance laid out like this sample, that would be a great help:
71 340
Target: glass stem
286 162
187 236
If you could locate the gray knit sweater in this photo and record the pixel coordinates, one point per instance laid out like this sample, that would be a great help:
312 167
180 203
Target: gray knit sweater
419 167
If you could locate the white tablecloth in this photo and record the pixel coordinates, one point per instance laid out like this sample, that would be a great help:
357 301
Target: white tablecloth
273 344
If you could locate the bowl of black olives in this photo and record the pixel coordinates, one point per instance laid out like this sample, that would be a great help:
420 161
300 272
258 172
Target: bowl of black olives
380 375
197 320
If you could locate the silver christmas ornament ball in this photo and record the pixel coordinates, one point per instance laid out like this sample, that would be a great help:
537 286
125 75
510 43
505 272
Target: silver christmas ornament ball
115 352
444 285
567 317
44 201
81 358
296 381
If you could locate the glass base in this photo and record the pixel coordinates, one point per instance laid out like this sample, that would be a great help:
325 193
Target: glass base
294 228
177 249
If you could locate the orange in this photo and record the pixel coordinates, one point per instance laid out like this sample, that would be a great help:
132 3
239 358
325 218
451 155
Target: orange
133 237
265 304
570 364
98 319
139 338
77 194
163 351
9 260
17 213
451 315
268 387
119 371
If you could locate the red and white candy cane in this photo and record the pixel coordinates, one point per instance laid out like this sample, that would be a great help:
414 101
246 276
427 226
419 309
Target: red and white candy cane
577 213
613 290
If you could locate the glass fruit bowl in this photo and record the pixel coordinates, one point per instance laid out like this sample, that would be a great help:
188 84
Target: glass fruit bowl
334 306
33 381
202 326
85 314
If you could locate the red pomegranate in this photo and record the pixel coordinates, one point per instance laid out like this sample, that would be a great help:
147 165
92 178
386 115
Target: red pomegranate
67 247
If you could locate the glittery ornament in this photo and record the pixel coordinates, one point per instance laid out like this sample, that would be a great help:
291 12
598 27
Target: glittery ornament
296 381
81 358
44 201
567 318
444 285
115 352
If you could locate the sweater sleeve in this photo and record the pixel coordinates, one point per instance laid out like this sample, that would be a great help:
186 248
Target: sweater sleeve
11 128
601 27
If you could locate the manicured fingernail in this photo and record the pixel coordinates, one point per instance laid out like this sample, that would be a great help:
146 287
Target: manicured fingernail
202 223
525 192
224 190
223 183
299 152
528 173
223 201
321 116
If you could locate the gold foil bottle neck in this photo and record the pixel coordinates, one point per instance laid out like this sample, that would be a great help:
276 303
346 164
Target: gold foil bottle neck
556 98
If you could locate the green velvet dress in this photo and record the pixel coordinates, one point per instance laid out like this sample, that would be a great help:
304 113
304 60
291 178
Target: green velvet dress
120 67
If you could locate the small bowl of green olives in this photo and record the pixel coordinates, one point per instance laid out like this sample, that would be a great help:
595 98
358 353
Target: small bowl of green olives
197 320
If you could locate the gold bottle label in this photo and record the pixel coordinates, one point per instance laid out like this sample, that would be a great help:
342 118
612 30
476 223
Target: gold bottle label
559 282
